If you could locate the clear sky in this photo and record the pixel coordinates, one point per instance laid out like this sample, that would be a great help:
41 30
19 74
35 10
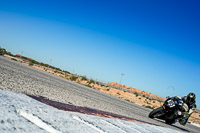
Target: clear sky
154 43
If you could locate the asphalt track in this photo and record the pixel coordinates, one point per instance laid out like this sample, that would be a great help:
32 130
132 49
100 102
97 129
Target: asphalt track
18 77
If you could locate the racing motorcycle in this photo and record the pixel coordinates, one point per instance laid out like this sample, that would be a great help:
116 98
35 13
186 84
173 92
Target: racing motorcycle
171 111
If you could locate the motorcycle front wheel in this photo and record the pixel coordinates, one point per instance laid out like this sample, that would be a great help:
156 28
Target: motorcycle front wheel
156 113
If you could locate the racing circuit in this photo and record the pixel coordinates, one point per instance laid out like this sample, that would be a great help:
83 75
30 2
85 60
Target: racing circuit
18 77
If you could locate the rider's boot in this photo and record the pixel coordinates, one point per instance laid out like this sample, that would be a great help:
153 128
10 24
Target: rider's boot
184 120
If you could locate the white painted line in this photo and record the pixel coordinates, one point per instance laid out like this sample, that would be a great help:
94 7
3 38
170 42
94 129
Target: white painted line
113 125
35 120
88 124
127 126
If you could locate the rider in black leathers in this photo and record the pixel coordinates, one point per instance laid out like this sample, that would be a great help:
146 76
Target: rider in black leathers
190 100
187 108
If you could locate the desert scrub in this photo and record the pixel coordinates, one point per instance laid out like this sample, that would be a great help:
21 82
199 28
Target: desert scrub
30 63
118 93
128 100
107 89
13 59
55 71
136 94
83 78
150 107
73 78
102 85
88 86
148 103
91 81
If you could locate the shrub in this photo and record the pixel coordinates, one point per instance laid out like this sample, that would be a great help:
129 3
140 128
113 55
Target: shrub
149 107
30 63
102 85
73 78
4 51
88 86
128 100
13 59
83 78
66 72
136 94
91 81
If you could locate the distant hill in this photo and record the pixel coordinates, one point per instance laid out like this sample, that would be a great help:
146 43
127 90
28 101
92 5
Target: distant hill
140 92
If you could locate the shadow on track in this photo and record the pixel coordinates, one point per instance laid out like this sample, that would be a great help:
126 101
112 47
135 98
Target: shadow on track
180 128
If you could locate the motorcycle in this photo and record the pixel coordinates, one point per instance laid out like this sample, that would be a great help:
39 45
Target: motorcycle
171 111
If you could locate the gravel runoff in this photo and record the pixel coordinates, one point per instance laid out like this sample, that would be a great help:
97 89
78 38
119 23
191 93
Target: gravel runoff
21 114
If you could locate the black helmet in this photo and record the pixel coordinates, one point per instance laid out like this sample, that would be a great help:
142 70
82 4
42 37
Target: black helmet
191 98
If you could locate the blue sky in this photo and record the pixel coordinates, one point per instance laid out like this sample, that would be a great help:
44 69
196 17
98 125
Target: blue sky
154 43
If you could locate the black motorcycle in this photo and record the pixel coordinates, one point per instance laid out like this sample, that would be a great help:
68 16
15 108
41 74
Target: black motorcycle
172 110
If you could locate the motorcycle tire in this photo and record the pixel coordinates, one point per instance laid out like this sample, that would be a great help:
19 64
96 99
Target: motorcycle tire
155 113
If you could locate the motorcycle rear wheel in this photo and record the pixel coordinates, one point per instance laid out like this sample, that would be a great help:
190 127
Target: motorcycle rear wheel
156 113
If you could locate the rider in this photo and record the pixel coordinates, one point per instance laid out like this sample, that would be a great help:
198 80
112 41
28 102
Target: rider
190 101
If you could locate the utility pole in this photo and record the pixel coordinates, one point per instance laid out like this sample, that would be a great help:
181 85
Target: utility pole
50 64
121 78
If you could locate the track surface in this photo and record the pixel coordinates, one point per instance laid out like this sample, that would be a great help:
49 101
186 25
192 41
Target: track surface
18 77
